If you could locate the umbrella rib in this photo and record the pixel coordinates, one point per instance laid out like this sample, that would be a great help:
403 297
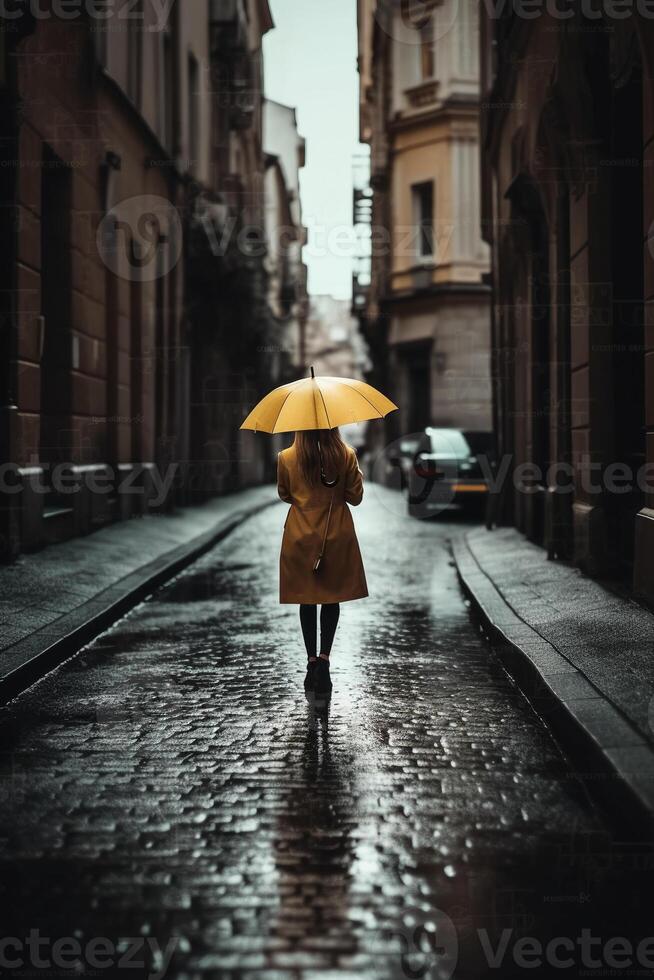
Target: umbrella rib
352 388
281 407
324 405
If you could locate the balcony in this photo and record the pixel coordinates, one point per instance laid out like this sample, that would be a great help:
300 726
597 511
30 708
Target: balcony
243 104
229 26
362 208
423 96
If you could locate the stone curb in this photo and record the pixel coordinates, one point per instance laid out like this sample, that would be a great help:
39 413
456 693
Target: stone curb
611 757
31 659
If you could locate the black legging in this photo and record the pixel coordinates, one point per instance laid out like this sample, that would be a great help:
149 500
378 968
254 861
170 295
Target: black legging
328 622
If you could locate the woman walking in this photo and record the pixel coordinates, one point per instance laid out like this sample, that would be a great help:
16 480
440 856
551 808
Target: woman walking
320 562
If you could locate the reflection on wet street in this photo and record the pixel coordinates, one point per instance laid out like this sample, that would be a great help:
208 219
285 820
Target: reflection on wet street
174 782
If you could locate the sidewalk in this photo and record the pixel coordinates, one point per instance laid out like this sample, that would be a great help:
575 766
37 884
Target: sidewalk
55 601
583 654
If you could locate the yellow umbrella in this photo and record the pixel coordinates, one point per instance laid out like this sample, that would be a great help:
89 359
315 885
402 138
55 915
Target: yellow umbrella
318 403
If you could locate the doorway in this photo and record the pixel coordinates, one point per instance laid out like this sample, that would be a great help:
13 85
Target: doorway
418 375
628 311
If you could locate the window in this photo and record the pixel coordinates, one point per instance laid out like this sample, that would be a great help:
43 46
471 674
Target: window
423 211
427 59
193 113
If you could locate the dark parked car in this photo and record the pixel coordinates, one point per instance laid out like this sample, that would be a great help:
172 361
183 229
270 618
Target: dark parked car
450 466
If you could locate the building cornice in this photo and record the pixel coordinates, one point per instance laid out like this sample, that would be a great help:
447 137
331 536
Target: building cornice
449 110
265 14
417 296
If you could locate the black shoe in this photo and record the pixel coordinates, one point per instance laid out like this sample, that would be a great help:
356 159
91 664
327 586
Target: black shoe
322 680
309 680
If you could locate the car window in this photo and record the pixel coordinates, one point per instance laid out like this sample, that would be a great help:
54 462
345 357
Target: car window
449 444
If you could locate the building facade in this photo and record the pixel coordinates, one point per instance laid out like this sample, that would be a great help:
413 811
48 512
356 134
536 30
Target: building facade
227 281
128 321
426 309
85 371
568 143
286 236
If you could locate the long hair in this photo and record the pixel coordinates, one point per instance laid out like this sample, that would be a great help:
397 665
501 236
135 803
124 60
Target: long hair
333 453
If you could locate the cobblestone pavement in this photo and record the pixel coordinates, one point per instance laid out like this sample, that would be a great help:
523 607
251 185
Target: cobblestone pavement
172 785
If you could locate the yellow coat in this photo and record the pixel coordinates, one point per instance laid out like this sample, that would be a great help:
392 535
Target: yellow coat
341 576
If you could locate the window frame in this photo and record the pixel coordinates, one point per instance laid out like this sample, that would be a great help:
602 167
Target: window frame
423 223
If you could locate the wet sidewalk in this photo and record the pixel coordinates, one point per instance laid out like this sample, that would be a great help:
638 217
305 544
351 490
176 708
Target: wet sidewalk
54 601
582 652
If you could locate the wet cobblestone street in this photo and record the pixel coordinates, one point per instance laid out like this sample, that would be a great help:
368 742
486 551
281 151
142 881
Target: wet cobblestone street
173 783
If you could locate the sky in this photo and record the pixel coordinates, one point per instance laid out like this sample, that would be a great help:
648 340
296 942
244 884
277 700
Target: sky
310 62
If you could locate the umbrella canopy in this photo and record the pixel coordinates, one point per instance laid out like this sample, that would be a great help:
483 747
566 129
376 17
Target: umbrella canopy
318 403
